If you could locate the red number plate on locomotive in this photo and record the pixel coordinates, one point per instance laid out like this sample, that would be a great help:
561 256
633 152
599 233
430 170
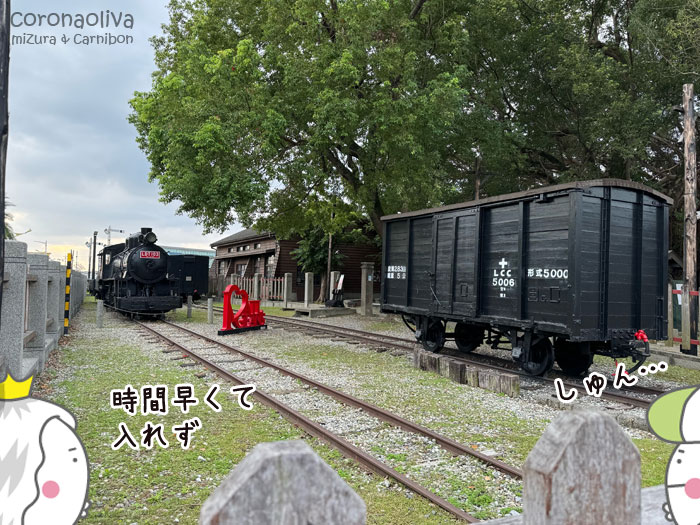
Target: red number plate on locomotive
150 255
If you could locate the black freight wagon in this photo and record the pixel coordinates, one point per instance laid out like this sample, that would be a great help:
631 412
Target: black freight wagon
561 272
192 274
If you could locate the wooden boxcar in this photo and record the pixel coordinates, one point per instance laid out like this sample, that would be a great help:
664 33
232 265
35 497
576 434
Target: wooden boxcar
192 274
561 272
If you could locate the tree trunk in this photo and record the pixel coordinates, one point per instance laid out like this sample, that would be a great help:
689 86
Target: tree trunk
322 294
477 179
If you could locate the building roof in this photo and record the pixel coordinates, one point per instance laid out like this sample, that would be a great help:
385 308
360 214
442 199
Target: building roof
243 235
174 250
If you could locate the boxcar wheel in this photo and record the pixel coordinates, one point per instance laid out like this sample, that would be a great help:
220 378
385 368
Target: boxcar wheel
468 338
434 338
574 359
541 358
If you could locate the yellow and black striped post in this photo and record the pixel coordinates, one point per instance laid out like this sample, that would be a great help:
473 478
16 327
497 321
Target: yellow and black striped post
66 313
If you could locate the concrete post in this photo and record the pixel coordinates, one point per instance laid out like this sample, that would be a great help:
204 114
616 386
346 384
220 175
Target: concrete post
283 482
287 289
53 304
210 310
308 289
100 313
256 287
36 309
61 299
13 296
367 293
335 277
189 307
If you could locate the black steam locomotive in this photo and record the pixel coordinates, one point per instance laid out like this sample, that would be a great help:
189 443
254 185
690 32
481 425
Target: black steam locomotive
133 276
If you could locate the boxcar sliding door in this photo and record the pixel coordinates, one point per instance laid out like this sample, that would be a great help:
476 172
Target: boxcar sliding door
454 246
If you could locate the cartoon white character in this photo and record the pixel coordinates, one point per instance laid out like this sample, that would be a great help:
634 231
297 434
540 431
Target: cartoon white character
675 418
44 471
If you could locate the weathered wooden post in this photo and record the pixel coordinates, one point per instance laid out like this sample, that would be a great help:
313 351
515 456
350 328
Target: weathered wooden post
100 314
256 287
308 289
669 341
690 282
210 310
189 307
584 469
287 289
283 482
367 289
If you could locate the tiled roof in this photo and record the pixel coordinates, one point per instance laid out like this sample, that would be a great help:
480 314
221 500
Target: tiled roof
243 235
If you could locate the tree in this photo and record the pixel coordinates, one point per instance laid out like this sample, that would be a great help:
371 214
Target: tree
256 109
261 111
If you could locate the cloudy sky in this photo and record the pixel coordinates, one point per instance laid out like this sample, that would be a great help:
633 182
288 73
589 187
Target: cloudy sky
73 163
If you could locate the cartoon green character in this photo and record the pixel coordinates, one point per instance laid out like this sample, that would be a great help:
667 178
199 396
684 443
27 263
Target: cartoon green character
675 418
44 471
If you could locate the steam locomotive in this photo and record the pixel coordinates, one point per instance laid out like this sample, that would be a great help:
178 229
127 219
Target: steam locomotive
134 276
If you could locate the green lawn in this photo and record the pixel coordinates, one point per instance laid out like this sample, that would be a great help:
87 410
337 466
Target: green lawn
160 485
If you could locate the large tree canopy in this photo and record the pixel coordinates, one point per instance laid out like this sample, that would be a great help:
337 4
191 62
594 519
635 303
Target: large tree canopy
270 111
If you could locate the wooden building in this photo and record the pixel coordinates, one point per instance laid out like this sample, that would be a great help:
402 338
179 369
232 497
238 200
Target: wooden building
249 252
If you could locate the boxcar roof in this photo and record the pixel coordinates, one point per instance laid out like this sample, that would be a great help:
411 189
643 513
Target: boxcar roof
619 183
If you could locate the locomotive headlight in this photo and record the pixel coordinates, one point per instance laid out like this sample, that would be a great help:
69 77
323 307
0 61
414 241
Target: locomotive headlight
151 238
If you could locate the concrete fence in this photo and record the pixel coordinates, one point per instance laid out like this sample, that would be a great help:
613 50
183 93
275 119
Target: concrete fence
584 469
287 483
33 308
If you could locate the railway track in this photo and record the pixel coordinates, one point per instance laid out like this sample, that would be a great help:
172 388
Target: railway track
629 396
182 339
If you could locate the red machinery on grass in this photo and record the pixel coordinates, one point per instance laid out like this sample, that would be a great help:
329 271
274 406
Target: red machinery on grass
248 317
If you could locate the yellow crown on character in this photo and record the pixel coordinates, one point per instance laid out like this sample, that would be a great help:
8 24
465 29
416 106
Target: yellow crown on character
11 389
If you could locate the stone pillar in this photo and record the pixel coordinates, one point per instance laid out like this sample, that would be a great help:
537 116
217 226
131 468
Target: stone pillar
62 300
283 482
287 289
256 287
54 301
100 313
36 311
13 296
367 294
308 289
189 307
210 311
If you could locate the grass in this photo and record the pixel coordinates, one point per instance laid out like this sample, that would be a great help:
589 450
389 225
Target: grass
160 485
443 405
677 374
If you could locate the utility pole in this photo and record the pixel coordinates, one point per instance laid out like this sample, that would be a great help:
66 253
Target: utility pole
690 281
94 252
109 230
89 247
5 11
